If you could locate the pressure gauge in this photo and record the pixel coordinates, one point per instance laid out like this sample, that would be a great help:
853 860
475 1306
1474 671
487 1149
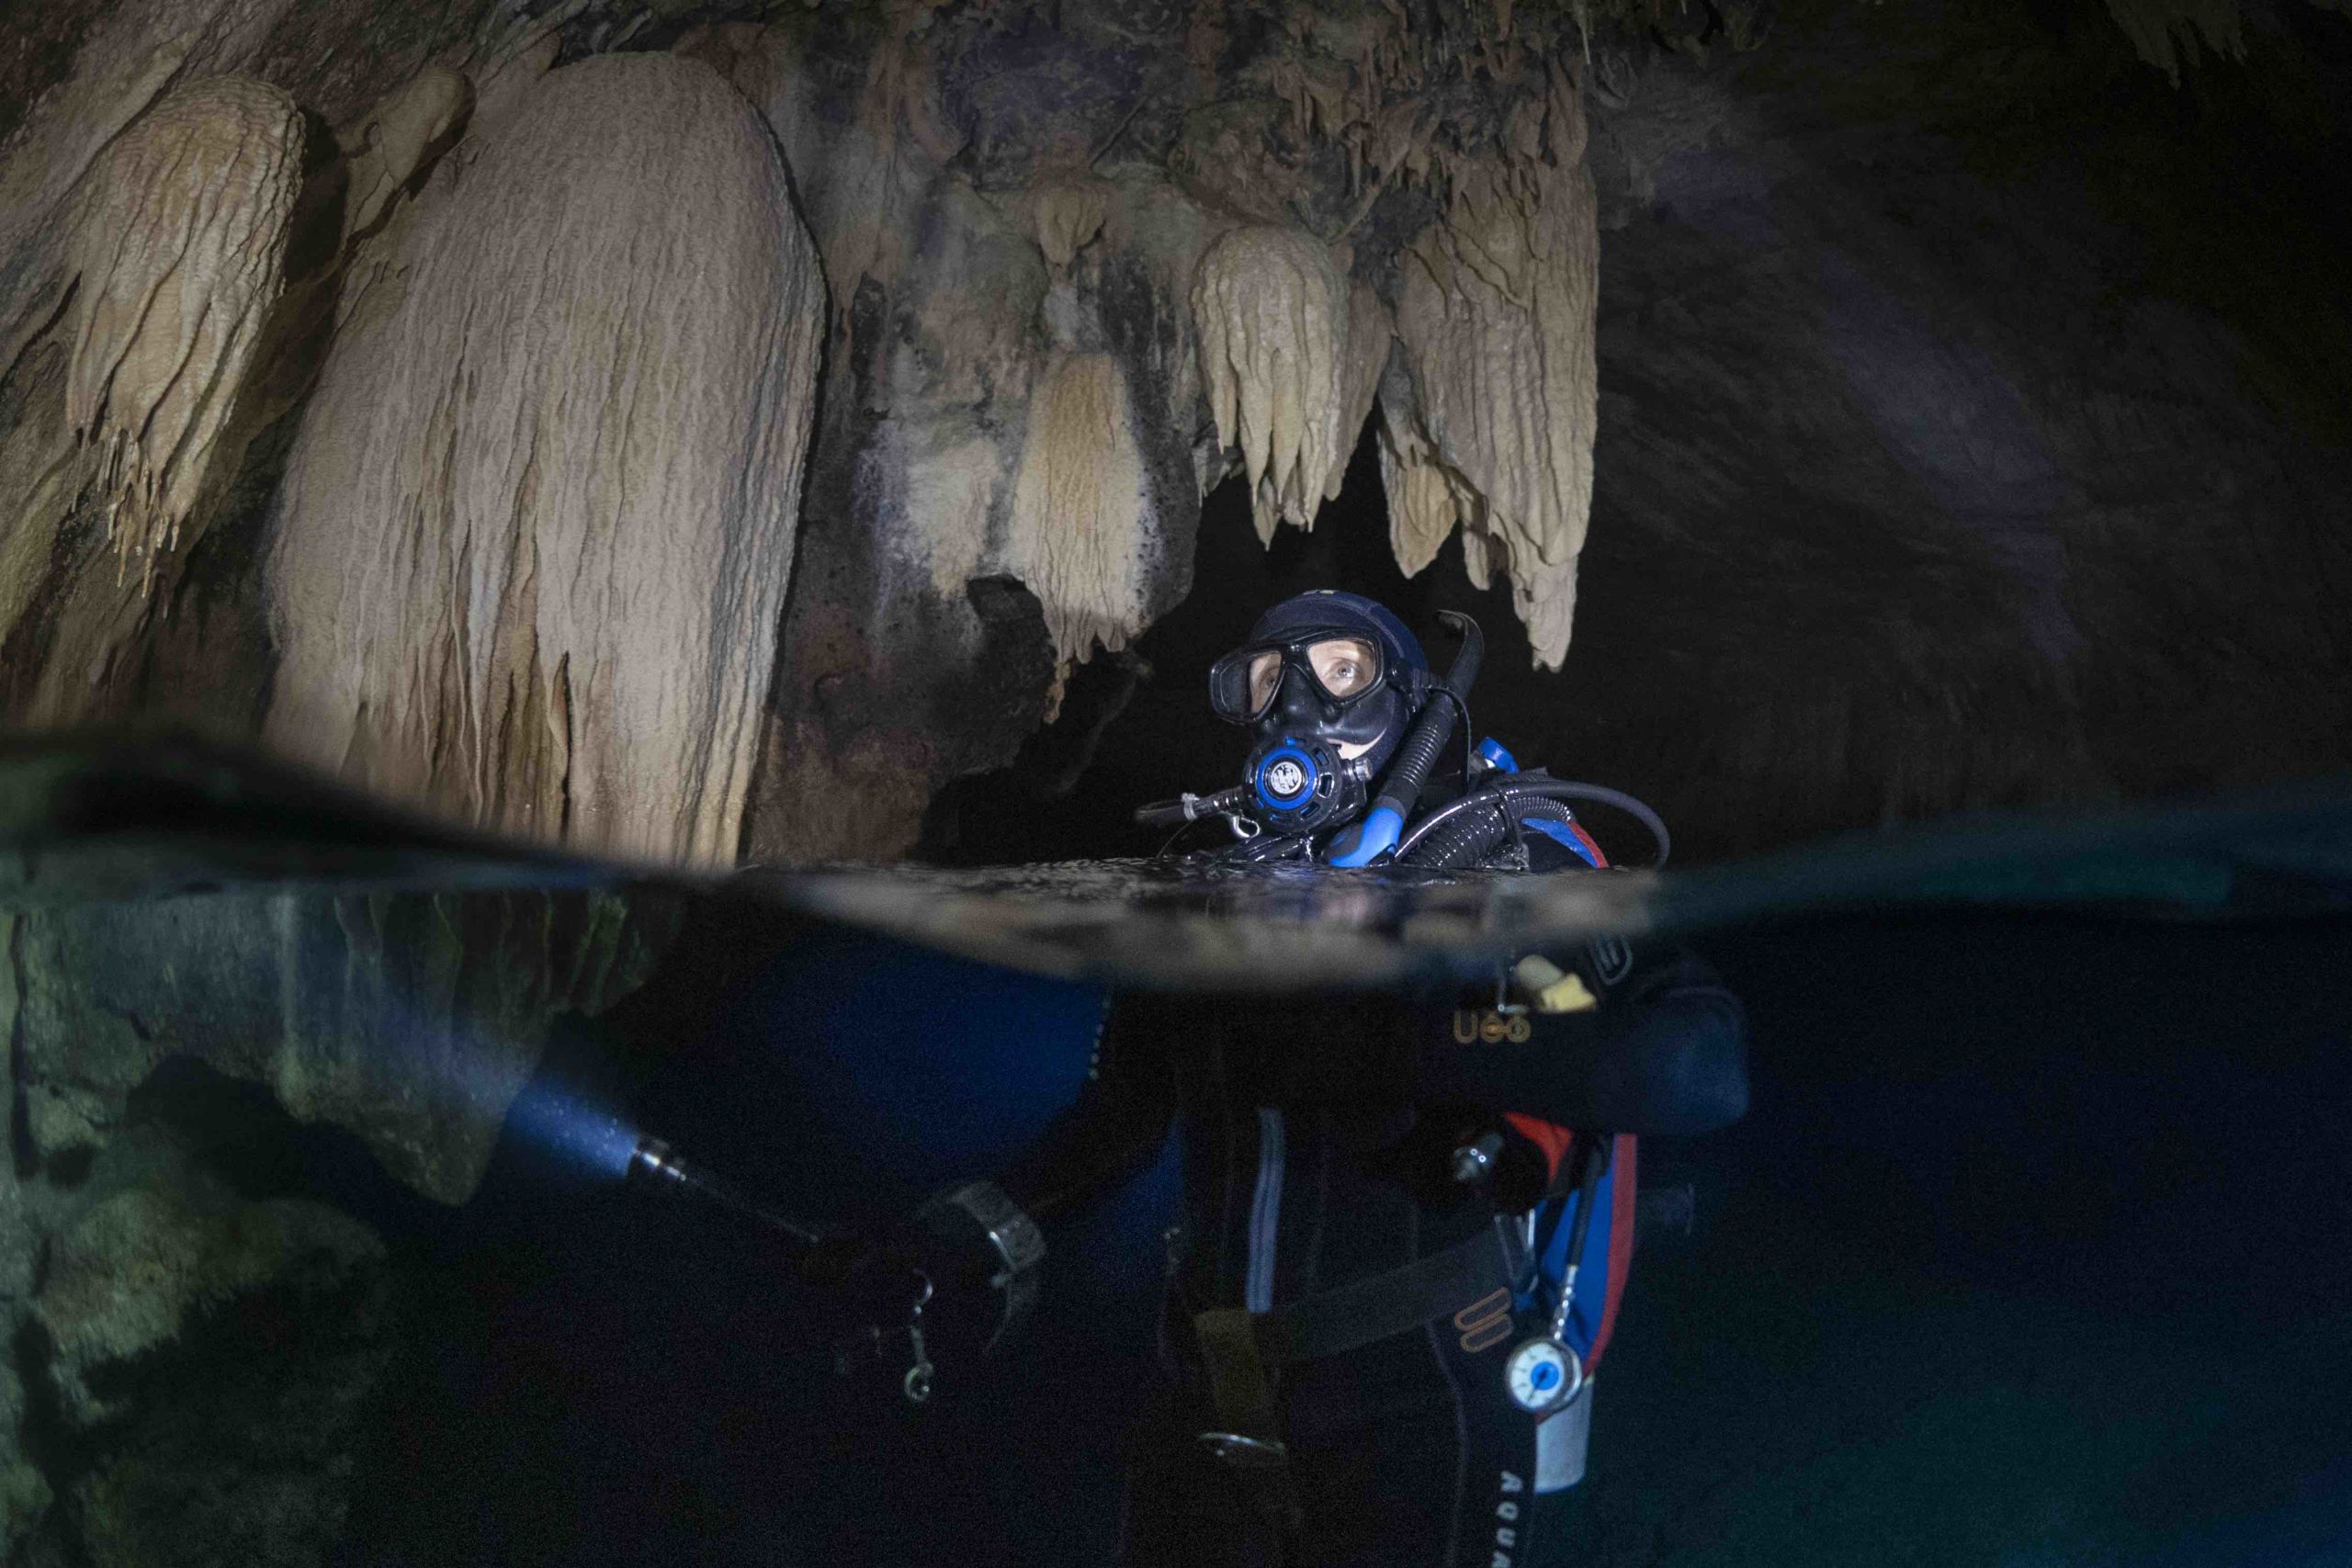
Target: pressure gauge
1542 1375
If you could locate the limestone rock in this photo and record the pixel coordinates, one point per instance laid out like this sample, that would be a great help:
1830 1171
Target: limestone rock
214 1360
396 139
122 419
133 57
1425 498
412 1019
1067 214
143 1264
1005 194
1078 508
1372 333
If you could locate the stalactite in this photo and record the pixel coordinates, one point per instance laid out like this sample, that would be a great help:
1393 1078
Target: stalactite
1270 311
133 54
1422 508
532 541
2167 33
1067 213
1078 536
178 242
1370 330
1495 315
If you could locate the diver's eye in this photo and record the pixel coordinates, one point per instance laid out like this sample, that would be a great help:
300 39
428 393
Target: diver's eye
1343 665
1265 673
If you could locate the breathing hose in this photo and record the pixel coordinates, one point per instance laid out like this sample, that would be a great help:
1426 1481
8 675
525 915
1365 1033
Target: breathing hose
1470 841
1191 807
1378 833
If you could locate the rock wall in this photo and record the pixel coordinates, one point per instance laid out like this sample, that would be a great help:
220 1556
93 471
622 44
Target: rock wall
153 1412
1076 268
192 1366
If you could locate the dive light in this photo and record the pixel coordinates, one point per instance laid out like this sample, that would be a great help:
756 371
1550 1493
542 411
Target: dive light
656 1161
1011 1234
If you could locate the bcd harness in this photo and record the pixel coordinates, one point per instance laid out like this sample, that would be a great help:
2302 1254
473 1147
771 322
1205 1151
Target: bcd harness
1476 1282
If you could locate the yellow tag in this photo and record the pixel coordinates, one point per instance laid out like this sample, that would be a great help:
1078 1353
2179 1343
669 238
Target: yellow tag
1548 989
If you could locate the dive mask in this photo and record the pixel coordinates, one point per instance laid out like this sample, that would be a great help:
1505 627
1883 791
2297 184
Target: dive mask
1341 667
1326 717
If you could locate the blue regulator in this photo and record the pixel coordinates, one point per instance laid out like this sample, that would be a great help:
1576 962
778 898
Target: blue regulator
1300 786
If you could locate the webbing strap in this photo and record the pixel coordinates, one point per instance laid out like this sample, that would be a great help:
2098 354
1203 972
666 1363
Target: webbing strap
1355 1315
1239 1349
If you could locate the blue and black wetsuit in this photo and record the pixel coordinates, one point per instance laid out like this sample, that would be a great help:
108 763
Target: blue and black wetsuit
1317 1136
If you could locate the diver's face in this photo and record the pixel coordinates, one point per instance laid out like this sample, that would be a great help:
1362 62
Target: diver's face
1332 705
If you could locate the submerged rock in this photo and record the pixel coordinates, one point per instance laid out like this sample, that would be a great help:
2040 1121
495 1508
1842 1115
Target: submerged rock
412 1020
205 1365
144 1264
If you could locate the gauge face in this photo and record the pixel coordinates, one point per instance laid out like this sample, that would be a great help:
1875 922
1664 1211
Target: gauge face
1543 1373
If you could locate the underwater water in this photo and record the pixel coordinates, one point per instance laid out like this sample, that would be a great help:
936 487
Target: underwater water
2031 1251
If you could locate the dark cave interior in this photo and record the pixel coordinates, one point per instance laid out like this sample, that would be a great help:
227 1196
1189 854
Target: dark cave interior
1913 489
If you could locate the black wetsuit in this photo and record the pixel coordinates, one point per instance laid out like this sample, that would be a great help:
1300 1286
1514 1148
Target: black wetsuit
1316 1135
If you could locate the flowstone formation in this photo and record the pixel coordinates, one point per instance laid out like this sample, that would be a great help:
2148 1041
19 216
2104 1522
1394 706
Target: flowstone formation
169 255
176 255
531 549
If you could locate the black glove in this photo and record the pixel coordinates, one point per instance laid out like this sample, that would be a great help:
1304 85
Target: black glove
947 1284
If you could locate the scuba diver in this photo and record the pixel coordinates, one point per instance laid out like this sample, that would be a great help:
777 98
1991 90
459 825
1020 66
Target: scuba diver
1408 1219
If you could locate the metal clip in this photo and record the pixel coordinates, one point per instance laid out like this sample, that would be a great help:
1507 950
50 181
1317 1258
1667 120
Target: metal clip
917 1382
1503 1004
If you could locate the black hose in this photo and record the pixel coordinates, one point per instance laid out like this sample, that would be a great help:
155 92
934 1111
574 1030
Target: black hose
1592 1166
1463 837
1418 755
1193 807
1498 798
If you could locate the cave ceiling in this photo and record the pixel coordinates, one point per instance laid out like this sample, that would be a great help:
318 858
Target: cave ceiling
688 433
